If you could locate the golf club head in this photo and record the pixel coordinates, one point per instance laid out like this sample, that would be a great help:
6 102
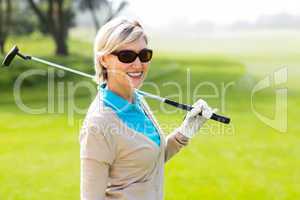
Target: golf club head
10 56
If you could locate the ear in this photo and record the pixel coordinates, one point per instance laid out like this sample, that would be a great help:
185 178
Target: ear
104 60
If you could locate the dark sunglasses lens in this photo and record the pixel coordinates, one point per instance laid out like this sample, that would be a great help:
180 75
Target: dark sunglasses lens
127 56
145 55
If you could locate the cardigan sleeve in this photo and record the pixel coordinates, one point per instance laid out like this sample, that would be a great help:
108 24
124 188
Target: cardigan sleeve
96 154
95 144
93 179
174 142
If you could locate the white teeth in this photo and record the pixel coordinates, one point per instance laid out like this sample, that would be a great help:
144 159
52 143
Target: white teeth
135 74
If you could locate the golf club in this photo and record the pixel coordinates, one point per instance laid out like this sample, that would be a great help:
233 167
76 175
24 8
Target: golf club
16 52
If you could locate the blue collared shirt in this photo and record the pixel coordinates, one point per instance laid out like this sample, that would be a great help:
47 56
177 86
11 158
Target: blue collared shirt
132 114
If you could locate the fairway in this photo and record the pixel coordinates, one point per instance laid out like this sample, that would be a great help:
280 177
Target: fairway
39 154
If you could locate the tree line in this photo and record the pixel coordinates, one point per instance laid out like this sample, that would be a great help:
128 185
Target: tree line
52 17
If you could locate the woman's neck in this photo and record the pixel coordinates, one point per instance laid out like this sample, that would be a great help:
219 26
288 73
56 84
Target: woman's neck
124 92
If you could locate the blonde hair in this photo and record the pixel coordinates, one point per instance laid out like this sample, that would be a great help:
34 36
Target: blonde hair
110 37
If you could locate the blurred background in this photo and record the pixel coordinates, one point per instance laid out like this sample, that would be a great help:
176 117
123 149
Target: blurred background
237 45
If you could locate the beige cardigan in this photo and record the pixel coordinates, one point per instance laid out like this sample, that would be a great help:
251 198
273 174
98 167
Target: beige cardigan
119 163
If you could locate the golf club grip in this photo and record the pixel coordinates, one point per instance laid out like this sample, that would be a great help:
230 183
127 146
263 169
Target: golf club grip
214 116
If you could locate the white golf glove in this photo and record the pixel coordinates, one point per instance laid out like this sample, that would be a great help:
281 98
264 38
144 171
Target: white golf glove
193 121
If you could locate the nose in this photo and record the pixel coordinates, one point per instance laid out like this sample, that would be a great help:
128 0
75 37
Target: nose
137 63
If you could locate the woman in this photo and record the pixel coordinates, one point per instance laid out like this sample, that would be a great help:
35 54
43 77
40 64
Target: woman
122 147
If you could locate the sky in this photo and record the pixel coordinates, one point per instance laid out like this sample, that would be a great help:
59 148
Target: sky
223 12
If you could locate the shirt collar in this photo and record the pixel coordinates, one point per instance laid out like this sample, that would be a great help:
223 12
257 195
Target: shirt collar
116 102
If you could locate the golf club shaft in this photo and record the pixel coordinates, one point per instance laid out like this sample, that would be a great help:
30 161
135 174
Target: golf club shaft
186 107
15 51
62 67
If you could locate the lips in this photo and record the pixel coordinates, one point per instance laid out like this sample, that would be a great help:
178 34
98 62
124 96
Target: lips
135 74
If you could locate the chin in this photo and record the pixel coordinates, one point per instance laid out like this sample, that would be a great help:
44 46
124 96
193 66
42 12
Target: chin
136 84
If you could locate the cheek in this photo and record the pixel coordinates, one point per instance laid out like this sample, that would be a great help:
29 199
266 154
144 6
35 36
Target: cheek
118 70
145 67
121 67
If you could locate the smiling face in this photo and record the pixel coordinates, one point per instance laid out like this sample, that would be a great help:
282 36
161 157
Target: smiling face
125 77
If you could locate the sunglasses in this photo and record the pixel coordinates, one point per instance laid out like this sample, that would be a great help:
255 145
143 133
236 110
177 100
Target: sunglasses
129 56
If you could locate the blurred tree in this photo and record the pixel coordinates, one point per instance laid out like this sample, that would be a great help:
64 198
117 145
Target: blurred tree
55 17
12 21
23 25
107 11
5 22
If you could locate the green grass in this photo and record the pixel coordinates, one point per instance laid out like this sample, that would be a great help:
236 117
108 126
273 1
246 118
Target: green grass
39 154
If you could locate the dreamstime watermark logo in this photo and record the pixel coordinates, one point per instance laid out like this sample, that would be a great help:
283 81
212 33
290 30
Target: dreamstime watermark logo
276 80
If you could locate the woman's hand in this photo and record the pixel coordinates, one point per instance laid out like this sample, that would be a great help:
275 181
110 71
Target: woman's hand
193 121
